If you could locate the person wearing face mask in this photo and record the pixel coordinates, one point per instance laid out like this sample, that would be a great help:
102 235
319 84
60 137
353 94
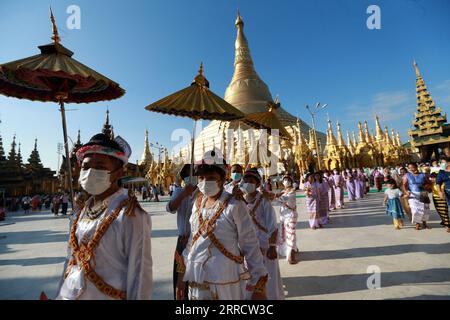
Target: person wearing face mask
328 179
181 203
265 222
222 236
236 179
109 243
311 188
339 182
416 186
323 210
288 220
350 184
359 183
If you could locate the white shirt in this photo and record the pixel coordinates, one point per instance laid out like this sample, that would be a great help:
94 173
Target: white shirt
122 258
230 186
265 215
289 199
234 230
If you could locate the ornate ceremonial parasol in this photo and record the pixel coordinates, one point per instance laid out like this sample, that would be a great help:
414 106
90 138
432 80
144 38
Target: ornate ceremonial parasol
267 120
53 75
196 102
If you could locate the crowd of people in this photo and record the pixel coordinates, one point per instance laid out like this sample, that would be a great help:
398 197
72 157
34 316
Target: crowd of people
56 203
229 241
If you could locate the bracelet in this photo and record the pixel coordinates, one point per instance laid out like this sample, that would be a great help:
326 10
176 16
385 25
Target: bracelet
272 244
260 286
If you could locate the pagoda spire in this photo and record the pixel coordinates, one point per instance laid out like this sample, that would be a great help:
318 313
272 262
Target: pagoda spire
350 145
246 91
107 128
361 137
394 141
355 142
146 154
379 132
428 119
333 141
2 150
19 157
399 141
78 143
341 142
12 157
35 160
386 135
367 133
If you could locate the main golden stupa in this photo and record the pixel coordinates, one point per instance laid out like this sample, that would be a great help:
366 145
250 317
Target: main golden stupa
250 94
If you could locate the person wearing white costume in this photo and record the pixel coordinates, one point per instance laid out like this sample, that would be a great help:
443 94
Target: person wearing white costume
236 179
288 220
222 235
110 244
265 221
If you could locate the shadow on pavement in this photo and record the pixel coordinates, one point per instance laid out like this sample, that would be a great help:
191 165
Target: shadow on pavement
318 285
439 248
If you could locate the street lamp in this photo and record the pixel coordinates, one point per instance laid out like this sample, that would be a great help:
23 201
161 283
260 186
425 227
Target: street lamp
313 116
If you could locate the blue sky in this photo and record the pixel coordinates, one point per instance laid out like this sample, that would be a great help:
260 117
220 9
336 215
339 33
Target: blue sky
306 51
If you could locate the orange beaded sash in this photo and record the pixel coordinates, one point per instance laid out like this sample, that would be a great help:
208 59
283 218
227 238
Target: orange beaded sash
252 214
83 253
206 229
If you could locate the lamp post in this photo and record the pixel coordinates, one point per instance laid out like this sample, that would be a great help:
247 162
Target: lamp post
313 116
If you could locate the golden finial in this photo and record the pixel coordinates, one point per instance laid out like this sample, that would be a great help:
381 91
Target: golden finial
416 68
200 78
55 36
239 20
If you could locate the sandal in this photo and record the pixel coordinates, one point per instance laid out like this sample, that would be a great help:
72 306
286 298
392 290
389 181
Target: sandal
418 226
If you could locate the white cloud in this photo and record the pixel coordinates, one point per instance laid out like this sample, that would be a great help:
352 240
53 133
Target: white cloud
390 106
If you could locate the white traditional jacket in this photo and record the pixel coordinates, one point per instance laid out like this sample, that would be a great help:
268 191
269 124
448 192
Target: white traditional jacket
205 263
122 258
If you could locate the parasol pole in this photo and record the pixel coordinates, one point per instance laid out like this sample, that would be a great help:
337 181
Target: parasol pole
191 169
66 147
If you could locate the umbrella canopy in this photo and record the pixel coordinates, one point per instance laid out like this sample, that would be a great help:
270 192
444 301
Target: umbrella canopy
54 74
267 120
197 102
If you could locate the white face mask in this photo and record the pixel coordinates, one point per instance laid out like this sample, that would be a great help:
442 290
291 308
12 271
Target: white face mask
248 187
95 181
209 188
286 183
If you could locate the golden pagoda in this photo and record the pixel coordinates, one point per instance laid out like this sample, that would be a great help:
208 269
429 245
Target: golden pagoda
336 155
250 94
431 132
147 156
303 155
365 153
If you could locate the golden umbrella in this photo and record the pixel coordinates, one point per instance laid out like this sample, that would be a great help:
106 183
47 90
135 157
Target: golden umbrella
196 102
267 120
53 75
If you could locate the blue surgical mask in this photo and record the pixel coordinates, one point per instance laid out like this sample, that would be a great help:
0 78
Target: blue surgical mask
236 176
443 165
